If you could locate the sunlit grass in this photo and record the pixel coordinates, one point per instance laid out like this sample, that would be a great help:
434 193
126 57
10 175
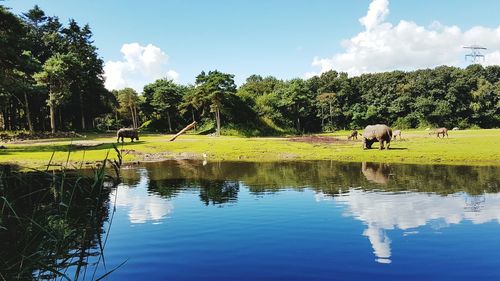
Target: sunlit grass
475 147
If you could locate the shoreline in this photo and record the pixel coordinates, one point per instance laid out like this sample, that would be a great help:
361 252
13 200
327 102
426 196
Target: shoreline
467 147
71 166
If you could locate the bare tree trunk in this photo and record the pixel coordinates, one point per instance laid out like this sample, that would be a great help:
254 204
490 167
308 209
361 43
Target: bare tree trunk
133 117
322 118
81 111
60 119
330 115
28 114
136 117
12 117
116 119
169 123
192 115
2 122
298 118
52 116
183 130
217 112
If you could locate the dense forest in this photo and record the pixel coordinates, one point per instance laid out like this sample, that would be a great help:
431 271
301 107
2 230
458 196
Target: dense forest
51 79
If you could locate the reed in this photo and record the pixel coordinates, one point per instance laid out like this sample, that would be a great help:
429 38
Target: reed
54 224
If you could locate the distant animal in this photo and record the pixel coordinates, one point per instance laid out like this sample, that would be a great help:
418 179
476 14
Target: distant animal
353 135
455 129
440 131
127 133
377 133
396 133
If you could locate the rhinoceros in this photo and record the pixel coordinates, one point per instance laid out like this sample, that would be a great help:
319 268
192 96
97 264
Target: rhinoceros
127 133
377 133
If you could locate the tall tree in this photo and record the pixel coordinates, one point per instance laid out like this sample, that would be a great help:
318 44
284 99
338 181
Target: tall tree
12 65
215 88
297 104
485 105
129 102
88 79
190 103
166 97
325 102
26 84
55 76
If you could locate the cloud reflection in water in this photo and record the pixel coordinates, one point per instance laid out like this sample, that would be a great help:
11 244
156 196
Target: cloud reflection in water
142 206
382 211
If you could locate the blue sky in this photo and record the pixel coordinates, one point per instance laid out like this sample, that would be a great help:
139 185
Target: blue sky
277 37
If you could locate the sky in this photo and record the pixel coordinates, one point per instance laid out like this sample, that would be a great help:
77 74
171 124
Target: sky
141 41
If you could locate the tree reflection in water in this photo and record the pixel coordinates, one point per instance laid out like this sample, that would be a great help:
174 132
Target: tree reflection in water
327 177
51 225
384 197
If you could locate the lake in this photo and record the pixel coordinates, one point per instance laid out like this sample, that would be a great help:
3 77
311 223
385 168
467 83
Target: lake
321 220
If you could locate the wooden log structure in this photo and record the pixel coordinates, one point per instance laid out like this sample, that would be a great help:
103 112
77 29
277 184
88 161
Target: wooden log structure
183 130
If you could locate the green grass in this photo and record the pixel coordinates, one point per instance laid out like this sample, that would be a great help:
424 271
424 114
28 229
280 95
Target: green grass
472 147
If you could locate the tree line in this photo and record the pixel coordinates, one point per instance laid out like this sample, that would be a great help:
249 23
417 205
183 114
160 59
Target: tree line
51 78
443 96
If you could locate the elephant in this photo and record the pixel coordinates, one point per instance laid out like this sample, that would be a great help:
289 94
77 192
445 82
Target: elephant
440 131
377 133
127 133
396 133
353 135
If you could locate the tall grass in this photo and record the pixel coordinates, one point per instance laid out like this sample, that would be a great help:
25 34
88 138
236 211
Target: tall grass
54 225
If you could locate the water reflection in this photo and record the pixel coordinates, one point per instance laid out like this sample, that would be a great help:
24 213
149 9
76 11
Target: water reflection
218 192
382 211
145 201
141 206
327 177
386 197
376 172
271 225
51 225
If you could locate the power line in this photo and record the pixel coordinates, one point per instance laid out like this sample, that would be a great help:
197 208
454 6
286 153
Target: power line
475 55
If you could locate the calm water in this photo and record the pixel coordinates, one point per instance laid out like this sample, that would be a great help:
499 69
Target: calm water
303 221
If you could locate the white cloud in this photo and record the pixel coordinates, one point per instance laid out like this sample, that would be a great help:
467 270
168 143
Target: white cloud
140 65
383 46
308 75
172 74
377 11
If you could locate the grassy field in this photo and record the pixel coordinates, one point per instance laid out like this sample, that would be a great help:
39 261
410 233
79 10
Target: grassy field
472 147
